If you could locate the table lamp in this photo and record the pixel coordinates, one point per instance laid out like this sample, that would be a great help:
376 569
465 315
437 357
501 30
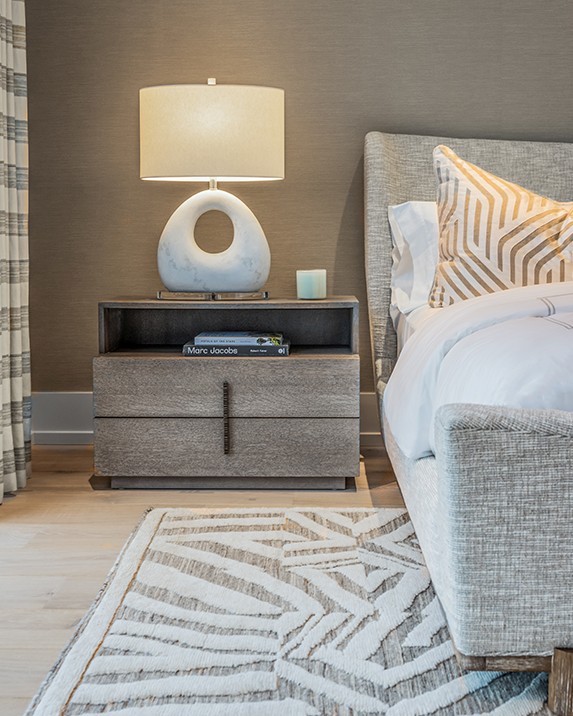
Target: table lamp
211 133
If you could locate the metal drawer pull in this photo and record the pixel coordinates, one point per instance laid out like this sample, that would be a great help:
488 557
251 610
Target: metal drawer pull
226 431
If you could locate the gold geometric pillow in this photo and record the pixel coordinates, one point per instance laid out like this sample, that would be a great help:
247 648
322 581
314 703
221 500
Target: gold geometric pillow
495 235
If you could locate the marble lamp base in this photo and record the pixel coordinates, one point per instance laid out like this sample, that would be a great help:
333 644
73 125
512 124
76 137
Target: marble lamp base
184 266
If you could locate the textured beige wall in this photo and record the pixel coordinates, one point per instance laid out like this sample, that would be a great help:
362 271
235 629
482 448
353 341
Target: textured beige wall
484 68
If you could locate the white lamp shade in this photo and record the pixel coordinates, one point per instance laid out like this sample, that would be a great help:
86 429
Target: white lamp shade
202 132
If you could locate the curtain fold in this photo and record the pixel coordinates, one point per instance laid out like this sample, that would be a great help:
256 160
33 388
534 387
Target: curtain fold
15 383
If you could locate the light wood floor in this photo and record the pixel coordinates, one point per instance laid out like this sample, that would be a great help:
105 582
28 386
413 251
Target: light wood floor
59 538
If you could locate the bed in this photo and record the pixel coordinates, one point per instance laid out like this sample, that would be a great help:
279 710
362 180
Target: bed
492 505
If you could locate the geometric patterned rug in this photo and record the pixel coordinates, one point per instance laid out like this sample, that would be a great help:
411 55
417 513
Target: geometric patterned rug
273 612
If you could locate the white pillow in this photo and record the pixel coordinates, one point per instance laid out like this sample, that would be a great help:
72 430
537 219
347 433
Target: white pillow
414 226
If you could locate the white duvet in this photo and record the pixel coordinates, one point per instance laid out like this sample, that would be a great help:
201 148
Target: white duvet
512 348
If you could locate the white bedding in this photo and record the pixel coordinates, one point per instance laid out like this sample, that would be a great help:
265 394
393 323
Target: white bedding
408 324
511 348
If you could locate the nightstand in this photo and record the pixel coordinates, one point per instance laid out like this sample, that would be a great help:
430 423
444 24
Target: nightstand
163 420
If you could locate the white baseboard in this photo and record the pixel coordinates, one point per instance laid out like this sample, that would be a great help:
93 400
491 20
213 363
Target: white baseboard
66 418
370 435
63 418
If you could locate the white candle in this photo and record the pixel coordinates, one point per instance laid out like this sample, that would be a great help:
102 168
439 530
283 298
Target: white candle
311 284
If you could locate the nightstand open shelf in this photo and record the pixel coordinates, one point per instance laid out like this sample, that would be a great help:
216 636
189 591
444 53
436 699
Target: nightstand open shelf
135 323
292 421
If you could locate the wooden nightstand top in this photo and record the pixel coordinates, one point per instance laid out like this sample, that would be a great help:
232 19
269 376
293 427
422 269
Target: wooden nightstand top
270 303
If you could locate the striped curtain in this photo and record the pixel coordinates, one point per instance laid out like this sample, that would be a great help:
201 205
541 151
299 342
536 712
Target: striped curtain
15 387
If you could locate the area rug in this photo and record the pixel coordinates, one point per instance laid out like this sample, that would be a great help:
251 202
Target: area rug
273 612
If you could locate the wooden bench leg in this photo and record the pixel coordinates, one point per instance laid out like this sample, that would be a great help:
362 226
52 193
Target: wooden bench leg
560 699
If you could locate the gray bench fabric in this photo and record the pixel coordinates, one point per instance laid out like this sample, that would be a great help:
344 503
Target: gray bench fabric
495 525
493 510
506 478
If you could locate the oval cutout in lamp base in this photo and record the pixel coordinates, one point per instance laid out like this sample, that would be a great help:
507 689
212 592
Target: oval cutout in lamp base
184 266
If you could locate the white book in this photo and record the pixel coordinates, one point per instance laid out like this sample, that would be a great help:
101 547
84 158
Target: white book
238 338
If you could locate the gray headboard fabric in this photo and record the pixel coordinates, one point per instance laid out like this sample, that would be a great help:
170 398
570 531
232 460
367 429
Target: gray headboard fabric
398 168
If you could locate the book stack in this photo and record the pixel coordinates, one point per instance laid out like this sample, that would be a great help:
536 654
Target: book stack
224 344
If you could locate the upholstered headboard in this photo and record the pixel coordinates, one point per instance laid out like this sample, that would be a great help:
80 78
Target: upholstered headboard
398 167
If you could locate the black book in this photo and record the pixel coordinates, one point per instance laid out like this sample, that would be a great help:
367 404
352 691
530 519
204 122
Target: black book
226 351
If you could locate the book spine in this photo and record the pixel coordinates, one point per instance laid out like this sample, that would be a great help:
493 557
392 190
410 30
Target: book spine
238 341
222 351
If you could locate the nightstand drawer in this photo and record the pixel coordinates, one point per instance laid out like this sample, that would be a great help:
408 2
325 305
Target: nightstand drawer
297 386
172 447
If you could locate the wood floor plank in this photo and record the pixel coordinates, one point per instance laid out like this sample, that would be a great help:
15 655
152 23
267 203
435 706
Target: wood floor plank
22 670
30 591
13 706
47 564
48 638
30 623
60 538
